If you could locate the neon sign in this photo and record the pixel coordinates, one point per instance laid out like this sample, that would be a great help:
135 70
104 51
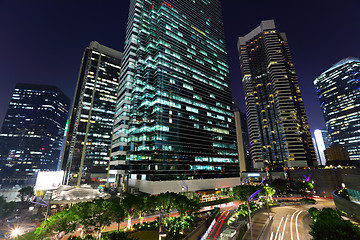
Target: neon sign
166 4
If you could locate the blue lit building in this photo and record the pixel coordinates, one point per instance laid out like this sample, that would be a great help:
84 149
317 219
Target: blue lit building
174 121
338 89
32 133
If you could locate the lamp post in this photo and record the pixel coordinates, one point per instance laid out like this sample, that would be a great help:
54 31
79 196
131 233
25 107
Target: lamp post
267 200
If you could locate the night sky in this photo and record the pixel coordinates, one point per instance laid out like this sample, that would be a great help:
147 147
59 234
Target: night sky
43 41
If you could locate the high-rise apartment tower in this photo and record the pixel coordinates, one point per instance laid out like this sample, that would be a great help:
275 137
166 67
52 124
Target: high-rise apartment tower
32 133
174 120
278 127
87 149
338 89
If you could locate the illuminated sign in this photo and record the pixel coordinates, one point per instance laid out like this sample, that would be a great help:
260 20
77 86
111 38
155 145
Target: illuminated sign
49 180
253 175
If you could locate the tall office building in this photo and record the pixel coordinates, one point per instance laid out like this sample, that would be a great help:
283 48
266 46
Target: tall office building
87 149
32 133
174 120
278 127
322 142
243 144
338 89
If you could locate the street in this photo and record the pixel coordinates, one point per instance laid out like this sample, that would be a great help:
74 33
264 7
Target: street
292 222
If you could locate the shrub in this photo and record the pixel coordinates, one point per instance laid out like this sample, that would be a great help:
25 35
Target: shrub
308 200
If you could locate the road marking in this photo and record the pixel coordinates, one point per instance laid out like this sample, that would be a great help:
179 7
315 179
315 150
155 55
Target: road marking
296 225
291 224
272 235
277 231
283 232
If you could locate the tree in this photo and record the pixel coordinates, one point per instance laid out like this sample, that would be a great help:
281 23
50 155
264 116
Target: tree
130 205
329 225
6 208
279 185
95 215
185 206
243 192
118 213
303 186
58 225
25 193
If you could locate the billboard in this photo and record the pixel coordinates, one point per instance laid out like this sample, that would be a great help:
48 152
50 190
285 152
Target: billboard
49 180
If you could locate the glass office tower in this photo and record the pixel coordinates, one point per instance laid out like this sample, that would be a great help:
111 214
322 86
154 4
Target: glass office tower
338 89
87 149
174 118
321 143
33 129
278 127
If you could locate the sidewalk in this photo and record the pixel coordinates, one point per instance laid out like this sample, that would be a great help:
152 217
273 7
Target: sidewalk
258 221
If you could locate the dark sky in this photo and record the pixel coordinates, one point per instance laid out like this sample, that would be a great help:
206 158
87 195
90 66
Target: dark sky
43 41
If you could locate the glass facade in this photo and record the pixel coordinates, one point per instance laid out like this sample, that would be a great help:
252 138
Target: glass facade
32 133
278 127
338 89
322 142
174 117
88 140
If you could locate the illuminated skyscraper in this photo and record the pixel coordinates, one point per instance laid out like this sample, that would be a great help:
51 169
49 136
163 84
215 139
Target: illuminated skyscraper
174 120
321 143
32 133
338 89
278 127
88 140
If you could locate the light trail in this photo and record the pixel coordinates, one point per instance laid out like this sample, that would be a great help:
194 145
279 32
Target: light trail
291 224
222 222
277 231
215 224
296 226
283 232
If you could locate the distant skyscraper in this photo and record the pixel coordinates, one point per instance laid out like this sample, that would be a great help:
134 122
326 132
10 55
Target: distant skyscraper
278 126
88 140
243 143
174 120
321 143
338 89
32 133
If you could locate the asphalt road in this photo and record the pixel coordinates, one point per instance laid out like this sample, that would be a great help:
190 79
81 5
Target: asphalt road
292 222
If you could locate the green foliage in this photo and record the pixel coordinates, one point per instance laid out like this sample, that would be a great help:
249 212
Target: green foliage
302 186
314 212
243 211
279 185
176 226
95 215
116 236
146 226
243 192
344 194
329 225
61 223
6 208
186 206
131 205
25 193
308 200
